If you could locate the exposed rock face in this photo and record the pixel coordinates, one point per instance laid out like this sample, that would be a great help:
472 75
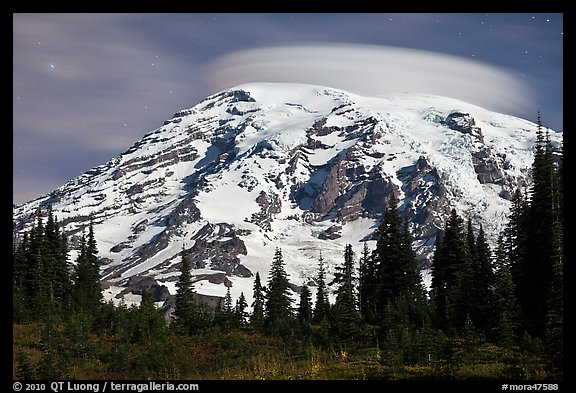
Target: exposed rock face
464 123
210 301
221 253
426 202
349 192
490 167
137 285
270 204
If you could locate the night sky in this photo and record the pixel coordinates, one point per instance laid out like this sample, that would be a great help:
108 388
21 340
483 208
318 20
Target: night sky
88 86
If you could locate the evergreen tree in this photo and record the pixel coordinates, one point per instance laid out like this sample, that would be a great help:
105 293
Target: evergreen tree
240 310
451 273
278 315
257 317
24 371
554 330
305 310
20 263
41 274
48 367
345 316
554 333
60 267
19 283
368 287
365 270
470 240
389 258
186 307
322 306
36 285
225 316
537 265
413 285
149 324
64 273
50 256
395 268
87 290
506 310
56 265
228 308
481 312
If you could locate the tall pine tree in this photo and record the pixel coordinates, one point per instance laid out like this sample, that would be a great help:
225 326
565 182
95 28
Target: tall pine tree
322 305
305 311
534 272
87 290
483 282
186 307
505 307
394 267
240 310
278 317
345 316
450 275
257 316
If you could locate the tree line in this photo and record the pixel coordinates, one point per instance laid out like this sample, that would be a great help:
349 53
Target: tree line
508 299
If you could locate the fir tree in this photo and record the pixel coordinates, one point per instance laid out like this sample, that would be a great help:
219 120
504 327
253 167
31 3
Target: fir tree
554 328
278 315
87 290
368 287
322 306
57 266
364 271
20 263
64 272
389 258
257 317
506 311
345 316
240 310
483 282
228 301
305 310
394 265
149 324
537 265
413 285
186 307
450 276
225 316
470 239
36 284
24 371
19 283
50 256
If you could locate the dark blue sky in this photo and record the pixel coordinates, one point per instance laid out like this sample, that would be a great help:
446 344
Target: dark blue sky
87 86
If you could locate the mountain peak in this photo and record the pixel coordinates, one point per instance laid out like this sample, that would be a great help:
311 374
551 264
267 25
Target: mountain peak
305 168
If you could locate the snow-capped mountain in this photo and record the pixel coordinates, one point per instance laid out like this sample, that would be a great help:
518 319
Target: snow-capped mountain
300 167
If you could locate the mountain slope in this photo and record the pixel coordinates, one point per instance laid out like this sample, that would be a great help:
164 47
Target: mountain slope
301 167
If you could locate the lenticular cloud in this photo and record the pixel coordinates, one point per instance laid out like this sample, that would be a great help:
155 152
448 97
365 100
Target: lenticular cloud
376 70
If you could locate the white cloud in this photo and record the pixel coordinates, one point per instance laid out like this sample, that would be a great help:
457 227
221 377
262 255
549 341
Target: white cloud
374 70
